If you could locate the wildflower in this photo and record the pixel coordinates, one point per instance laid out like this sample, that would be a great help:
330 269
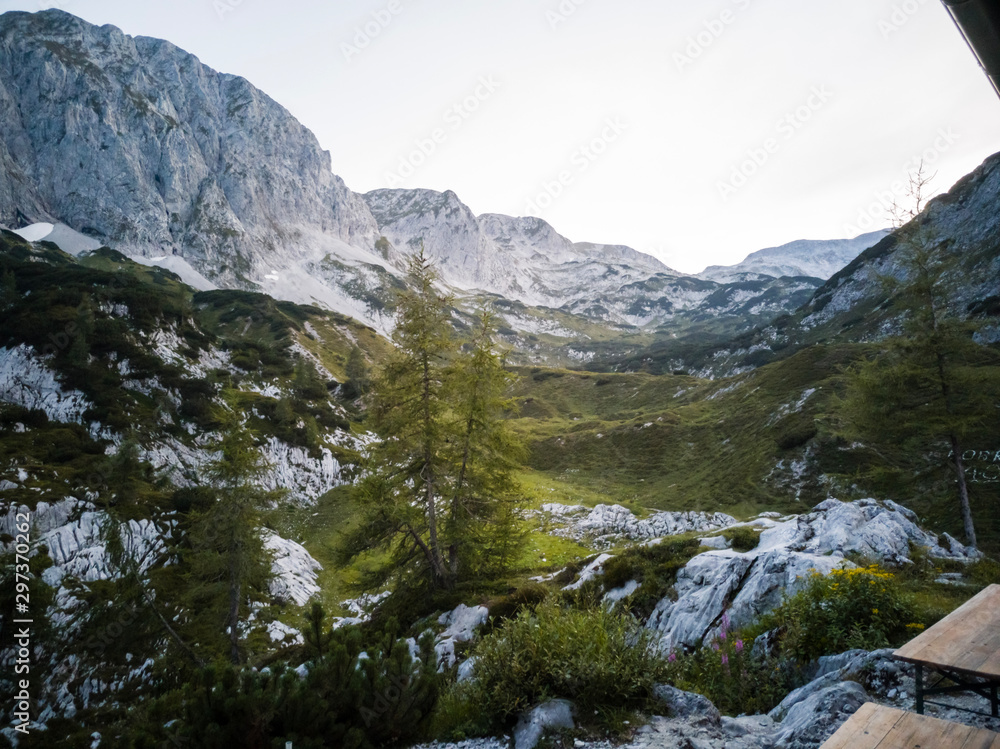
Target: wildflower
874 611
739 646
725 621
725 659
722 635
715 646
672 657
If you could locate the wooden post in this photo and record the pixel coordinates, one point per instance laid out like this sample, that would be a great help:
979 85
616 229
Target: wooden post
920 689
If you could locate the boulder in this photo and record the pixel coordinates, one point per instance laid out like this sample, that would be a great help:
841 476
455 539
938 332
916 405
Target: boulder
686 705
533 724
809 716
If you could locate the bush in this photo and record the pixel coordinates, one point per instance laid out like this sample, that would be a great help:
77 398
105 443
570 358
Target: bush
600 660
731 676
508 606
344 699
742 537
862 607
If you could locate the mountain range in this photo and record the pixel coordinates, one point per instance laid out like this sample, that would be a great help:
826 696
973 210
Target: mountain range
132 142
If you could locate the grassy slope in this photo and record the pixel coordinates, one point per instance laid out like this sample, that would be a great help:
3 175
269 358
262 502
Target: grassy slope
741 445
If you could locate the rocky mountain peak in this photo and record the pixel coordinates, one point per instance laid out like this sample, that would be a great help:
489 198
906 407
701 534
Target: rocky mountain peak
137 143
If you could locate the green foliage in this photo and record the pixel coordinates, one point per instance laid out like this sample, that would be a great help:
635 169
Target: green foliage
599 659
358 374
510 605
439 495
227 561
731 676
743 537
860 607
344 700
654 567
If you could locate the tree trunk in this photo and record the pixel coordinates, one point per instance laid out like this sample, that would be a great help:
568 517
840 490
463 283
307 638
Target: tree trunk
956 450
171 631
234 613
430 499
963 492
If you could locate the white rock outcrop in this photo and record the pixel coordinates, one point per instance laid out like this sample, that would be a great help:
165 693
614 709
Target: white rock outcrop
294 570
605 525
746 585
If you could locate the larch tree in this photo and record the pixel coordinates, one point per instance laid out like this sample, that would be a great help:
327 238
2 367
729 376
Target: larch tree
438 488
932 383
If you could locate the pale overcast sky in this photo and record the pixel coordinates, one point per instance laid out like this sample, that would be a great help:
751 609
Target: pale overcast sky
698 131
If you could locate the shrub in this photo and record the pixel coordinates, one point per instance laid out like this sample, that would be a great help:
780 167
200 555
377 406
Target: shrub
731 676
742 537
862 607
508 606
344 699
601 660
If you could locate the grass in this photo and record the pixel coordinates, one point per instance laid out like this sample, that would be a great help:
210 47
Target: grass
761 441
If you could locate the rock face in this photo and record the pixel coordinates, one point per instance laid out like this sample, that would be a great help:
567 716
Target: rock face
26 380
966 217
136 143
807 723
554 714
745 585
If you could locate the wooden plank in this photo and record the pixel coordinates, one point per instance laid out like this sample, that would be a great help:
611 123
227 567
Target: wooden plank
963 647
991 666
984 607
980 738
914 731
970 620
982 648
954 636
875 726
865 728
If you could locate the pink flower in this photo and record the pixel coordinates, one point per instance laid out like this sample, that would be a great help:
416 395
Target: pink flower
739 646
672 657
725 621
722 635
715 646
725 659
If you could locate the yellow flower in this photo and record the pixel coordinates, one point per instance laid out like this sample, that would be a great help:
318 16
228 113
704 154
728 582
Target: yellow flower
874 611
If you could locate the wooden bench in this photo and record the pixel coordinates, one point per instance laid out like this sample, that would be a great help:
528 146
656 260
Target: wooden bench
964 647
879 727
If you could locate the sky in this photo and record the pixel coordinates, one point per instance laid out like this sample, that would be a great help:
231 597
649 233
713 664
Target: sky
695 130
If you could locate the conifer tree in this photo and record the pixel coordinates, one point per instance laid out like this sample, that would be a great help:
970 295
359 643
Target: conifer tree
485 499
228 561
931 383
358 376
439 487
